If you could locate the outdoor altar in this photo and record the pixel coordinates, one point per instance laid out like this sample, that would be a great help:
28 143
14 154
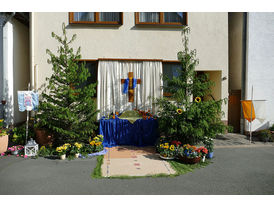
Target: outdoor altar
129 128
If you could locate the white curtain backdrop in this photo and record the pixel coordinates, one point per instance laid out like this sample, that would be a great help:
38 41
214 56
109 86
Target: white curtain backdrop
110 96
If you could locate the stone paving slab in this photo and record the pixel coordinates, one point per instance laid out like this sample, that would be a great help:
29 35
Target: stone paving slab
237 140
134 161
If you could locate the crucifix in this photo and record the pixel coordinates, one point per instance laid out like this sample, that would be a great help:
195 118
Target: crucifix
130 86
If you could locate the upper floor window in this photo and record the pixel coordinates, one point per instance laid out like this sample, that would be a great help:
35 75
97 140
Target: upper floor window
161 18
108 18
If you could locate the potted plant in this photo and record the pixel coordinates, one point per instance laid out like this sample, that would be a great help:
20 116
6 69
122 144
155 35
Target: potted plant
202 152
209 144
188 154
4 138
75 149
62 150
167 151
15 150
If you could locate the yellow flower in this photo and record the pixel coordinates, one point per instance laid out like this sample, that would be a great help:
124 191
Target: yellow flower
172 147
179 111
161 145
166 147
1 120
198 99
166 144
42 148
92 143
100 135
98 143
95 138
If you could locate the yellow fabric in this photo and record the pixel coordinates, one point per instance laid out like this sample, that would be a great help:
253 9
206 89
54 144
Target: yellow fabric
247 104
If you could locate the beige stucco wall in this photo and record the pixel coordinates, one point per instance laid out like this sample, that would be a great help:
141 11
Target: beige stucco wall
21 72
209 36
235 50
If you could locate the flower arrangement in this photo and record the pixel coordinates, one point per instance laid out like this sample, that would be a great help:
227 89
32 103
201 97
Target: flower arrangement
15 148
75 148
167 150
97 143
63 149
202 151
188 151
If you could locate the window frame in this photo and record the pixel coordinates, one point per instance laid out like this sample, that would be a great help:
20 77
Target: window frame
161 20
96 20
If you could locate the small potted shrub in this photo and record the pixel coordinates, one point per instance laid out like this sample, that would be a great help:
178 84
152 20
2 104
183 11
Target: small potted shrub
4 138
202 151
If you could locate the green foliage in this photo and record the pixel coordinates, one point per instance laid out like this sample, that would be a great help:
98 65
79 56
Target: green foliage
67 108
272 128
97 172
264 135
46 151
19 133
184 119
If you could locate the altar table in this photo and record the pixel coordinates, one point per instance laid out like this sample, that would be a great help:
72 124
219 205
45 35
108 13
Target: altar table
122 132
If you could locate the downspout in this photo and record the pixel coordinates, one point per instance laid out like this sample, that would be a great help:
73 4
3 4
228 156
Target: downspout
244 67
32 77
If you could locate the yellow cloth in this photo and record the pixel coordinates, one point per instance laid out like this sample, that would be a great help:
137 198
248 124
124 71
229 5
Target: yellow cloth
247 105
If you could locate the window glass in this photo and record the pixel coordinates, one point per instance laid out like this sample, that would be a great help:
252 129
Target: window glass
173 17
149 16
109 16
83 16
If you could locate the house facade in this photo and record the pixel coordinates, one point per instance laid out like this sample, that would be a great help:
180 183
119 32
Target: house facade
132 37
14 63
251 65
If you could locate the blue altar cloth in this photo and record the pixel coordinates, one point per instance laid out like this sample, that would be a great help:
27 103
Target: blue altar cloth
122 132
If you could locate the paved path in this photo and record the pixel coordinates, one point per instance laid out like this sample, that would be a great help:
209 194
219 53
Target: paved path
235 170
134 161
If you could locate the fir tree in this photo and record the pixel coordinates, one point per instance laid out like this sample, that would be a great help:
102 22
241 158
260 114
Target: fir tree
68 108
188 118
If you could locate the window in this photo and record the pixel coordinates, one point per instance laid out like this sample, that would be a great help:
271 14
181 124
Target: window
99 18
170 70
161 18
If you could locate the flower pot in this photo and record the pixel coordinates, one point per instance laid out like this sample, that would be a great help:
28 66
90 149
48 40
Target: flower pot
209 155
166 158
4 141
77 155
42 137
63 157
189 160
15 152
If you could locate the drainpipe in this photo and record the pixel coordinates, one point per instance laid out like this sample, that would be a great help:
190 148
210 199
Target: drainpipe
244 67
32 73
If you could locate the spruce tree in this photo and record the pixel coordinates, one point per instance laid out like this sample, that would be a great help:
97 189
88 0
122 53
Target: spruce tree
188 117
68 109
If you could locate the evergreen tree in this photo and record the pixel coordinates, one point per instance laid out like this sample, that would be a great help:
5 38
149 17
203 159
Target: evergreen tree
188 118
68 108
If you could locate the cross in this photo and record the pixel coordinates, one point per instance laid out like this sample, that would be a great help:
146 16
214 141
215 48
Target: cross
130 89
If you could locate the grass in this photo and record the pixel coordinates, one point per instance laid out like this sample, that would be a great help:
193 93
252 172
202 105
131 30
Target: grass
179 167
97 172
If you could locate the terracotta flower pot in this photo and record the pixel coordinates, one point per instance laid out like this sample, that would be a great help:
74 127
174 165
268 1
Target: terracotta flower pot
4 141
43 138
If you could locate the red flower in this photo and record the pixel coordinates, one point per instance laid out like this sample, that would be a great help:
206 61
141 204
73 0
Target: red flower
177 143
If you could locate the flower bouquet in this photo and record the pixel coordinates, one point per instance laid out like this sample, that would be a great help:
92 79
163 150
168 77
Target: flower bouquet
75 149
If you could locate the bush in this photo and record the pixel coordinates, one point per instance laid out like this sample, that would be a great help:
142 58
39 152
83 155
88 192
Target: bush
272 128
264 135
18 134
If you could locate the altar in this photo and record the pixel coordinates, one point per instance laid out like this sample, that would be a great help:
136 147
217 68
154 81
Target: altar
143 132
